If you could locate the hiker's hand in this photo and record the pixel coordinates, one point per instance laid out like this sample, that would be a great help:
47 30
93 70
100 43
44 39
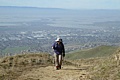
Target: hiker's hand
63 54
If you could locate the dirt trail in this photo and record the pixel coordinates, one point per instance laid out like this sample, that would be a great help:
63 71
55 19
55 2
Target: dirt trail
49 73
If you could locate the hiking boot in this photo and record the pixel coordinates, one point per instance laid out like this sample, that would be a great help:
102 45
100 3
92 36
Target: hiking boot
57 67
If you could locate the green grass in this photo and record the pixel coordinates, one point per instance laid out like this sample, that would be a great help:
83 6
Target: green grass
101 51
15 49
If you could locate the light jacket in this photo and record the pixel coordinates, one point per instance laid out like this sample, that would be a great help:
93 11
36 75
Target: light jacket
58 48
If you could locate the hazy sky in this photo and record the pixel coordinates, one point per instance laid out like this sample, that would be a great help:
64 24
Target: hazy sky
69 4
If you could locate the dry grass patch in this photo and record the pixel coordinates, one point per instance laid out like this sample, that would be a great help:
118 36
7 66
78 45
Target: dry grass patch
13 66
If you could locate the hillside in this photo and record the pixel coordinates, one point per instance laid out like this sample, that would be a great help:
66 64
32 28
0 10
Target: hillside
39 66
100 51
13 66
107 68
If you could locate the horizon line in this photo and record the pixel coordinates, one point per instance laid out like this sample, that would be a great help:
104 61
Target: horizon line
54 8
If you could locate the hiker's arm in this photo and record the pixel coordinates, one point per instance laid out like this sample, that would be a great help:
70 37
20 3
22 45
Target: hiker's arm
63 54
63 51
53 46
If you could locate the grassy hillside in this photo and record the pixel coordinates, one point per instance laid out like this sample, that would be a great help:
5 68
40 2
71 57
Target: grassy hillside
101 51
91 68
102 68
107 68
13 66
15 49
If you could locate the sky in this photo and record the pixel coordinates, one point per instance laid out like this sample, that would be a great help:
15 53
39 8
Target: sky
66 4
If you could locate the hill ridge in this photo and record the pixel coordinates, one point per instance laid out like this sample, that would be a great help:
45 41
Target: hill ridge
39 66
100 51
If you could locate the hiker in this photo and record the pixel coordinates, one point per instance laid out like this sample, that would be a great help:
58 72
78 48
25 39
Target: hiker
59 52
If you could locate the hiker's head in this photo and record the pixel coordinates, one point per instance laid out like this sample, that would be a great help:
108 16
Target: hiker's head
58 40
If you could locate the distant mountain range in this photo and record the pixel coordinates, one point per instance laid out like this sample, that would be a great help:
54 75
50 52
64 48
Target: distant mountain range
23 7
53 8
58 10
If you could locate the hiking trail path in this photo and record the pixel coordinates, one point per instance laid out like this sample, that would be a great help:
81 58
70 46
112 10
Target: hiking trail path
49 73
